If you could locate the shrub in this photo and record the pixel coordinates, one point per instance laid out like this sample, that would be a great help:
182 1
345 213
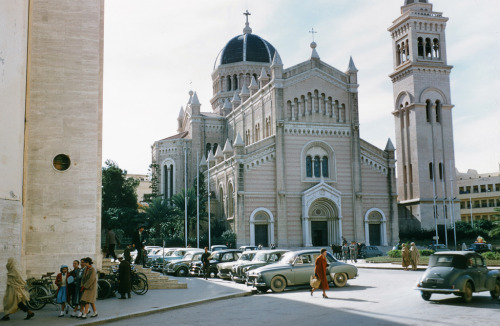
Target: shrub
394 253
491 255
426 252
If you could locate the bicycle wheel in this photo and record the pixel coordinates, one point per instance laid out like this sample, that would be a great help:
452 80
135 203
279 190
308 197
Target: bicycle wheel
139 285
37 297
103 289
141 275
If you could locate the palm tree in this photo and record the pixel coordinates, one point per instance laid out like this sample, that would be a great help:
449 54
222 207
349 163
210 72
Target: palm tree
496 229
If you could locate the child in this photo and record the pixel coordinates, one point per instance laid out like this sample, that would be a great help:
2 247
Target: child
62 293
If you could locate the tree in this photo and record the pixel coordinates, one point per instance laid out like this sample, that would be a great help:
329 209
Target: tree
163 219
119 198
495 231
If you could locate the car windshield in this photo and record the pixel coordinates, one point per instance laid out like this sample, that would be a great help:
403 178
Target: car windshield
261 257
456 261
189 256
197 256
288 258
247 256
215 256
179 253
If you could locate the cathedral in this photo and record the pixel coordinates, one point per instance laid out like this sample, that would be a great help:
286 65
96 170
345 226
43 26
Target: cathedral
281 146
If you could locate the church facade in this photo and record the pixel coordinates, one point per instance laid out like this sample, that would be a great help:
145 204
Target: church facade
282 152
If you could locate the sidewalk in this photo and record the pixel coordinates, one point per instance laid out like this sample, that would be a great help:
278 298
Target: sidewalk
113 309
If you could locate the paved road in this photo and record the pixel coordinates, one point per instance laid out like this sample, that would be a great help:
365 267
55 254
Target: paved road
377 297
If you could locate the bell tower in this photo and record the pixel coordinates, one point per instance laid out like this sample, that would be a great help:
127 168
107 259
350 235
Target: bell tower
423 118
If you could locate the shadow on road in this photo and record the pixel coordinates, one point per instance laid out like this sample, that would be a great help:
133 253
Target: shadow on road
482 302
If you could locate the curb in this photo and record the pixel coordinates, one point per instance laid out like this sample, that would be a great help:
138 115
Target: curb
390 267
164 309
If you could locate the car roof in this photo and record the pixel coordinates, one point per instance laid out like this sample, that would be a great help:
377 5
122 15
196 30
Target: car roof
271 250
226 250
312 251
456 253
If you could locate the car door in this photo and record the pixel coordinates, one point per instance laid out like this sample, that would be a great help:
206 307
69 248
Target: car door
303 269
482 273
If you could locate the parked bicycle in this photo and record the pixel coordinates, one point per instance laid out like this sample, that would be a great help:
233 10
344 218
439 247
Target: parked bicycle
42 291
107 284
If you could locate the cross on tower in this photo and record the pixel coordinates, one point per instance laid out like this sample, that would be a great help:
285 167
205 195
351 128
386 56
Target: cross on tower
312 31
246 13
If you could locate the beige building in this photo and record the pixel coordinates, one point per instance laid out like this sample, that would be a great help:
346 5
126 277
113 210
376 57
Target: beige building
286 163
144 188
423 117
479 195
51 56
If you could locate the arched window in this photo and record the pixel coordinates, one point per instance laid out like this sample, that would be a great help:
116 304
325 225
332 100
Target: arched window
228 82
438 111
208 148
398 55
441 172
215 148
428 108
309 167
420 47
431 171
317 165
230 203
324 166
435 48
235 82
428 48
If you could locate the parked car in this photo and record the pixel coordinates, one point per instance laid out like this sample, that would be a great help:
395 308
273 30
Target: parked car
221 256
181 267
217 247
224 269
262 258
370 251
245 248
479 247
438 247
176 254
154 260
460 273
296 268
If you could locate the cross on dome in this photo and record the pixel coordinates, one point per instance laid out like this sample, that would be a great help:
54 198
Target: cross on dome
312 31
247 29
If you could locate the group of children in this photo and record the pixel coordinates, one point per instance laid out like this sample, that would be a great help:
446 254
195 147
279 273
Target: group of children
78 287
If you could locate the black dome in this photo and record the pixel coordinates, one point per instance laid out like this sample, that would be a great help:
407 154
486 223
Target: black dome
246 47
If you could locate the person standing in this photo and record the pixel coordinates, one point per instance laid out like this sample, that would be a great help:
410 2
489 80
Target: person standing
62 294
124 284
345 251
111 242
126 253
138 240
205 263
74 289
15 296
353 251
89 287
405 255
320 272
414 256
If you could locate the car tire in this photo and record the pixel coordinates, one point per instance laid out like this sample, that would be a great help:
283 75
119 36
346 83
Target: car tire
278 284
181 272
262 289
212 273
426 295
467 296
340 279
495 293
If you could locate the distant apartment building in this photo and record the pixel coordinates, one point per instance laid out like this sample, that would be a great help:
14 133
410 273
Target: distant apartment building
479 195
144 188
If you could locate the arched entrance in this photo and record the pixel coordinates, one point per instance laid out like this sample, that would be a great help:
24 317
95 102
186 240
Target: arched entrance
261 227
322 216
375 228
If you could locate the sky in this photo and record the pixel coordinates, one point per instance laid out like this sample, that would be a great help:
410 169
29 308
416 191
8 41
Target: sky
155 51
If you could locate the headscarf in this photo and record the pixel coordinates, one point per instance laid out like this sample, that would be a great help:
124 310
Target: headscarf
16 288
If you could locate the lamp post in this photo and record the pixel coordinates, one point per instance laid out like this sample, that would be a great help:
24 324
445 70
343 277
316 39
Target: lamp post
185 197
197 201
206 163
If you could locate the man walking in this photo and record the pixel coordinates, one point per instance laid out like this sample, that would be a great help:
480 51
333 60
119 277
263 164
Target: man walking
111 242
205 263
138 240
353 251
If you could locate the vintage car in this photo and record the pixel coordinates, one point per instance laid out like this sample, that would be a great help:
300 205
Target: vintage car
217 248
246 248
155 260
478 247
460 273
180 267
369 252
159 263
262 258
296 268
438 247
224 269
217 257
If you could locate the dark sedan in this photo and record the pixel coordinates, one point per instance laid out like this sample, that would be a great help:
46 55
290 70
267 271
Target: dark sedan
221 256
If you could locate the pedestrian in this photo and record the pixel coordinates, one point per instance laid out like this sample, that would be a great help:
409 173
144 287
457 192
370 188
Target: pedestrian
126 253
345 251
16 296
414 256
89 287
259 247
344 241
62 281
124 284
205 263
405 255
353 251
74 288
464 246
111 242
320 272
138 240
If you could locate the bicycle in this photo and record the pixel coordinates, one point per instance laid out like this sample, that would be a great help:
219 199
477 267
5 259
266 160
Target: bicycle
107 284
42 291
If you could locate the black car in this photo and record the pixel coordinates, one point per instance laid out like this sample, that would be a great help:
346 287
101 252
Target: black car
220 256
262 258
479 247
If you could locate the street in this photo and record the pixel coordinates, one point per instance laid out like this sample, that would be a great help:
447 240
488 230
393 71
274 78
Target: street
376 297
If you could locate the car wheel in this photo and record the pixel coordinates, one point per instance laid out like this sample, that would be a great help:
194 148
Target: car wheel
340 279
495 293
467 292
181 272
212 273
278 284
262 289
426 295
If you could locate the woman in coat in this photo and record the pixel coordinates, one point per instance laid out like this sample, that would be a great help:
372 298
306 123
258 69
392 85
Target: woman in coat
89 287
414 256
124 285
405 254
74 288
16 295
320 272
